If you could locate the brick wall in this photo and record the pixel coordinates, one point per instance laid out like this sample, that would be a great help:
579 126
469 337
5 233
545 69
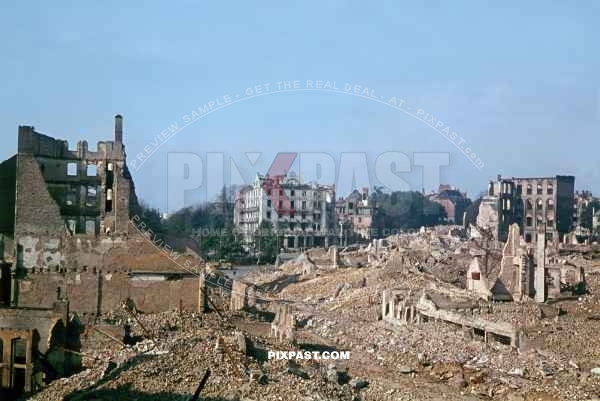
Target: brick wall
90 293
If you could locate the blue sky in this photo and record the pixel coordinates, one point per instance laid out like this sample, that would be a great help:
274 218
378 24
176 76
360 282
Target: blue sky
518 81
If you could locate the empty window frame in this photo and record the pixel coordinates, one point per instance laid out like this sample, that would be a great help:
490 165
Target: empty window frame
72 169
91 196
109 200
92 170
529 204
539 205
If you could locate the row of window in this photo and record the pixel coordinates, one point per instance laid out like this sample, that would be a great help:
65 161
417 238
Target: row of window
91 171
539 204
293 193
539 221
304 226
549 237
316 205
293 215
89 229
539 189
90 197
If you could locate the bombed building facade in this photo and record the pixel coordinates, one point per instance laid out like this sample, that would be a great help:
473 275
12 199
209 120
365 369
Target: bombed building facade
355 216
534 204
76 231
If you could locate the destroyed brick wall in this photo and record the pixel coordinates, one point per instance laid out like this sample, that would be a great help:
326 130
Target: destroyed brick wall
28 335
514 279
500 208
487 217
85 191
73 235
64 197
243 295
284 324
477 280
103 291
98 274
398 309
540 269
552 280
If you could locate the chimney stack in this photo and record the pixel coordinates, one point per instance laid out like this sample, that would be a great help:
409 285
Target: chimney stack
118 129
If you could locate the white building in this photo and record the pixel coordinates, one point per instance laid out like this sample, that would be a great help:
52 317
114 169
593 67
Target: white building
303 214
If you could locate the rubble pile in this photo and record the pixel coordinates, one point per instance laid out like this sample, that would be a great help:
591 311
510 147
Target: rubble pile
556 357
301 265
170 366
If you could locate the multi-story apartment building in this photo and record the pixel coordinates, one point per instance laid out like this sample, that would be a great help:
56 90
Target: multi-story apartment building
543 202
354 215
303 214
547 202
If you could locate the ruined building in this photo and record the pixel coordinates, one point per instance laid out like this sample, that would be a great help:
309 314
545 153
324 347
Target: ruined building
354 215
37 345
453 201
532 203
399 309
303 214
548 203
499 208
89 192
525 272
75 230
585 211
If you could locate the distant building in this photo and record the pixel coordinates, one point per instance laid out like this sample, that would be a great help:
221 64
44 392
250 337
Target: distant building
453 201
354 215
499 208
530 202
583 200
303 214
547 202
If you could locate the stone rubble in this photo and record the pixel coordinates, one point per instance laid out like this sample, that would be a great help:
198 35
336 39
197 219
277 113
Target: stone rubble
340 309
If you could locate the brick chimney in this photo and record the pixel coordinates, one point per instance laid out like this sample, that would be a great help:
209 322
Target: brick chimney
118 129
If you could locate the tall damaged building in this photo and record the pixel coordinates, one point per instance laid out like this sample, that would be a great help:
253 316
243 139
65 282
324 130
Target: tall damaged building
544 203
61 193
75 232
